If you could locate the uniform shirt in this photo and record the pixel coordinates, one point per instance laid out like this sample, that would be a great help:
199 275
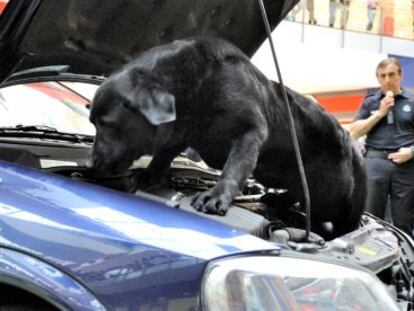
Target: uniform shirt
385 136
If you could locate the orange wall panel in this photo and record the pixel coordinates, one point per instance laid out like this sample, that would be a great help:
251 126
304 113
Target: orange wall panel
343 107
2 5
347 103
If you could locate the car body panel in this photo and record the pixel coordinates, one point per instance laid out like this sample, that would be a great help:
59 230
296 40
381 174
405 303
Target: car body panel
115 243
97 36
33 275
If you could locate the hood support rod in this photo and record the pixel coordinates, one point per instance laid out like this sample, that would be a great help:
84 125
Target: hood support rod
291 124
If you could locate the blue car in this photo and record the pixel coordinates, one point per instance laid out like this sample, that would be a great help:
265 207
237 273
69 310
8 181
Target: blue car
72 241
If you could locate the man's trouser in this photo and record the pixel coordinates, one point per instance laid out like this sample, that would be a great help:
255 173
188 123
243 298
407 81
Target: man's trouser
396 180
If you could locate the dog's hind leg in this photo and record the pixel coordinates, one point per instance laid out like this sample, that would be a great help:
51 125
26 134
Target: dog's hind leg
351 220
239 166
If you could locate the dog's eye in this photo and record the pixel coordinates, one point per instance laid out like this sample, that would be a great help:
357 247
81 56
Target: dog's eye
106 122
112 127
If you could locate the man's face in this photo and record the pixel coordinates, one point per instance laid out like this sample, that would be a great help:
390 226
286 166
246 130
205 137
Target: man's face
389 78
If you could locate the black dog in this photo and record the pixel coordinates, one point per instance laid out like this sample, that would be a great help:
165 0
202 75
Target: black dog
205 93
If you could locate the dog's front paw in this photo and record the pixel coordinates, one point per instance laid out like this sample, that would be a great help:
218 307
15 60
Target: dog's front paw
211 203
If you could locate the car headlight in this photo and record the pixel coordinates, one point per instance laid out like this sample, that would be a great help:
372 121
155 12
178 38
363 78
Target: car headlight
283 283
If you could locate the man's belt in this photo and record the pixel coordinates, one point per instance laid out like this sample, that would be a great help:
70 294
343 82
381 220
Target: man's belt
376 153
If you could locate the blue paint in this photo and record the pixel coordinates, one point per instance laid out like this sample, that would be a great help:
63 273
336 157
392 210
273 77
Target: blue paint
128 250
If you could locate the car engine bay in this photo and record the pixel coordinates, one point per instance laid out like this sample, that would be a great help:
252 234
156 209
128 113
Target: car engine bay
269 214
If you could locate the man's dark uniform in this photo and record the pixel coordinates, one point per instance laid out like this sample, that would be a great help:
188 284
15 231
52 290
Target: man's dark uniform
384 176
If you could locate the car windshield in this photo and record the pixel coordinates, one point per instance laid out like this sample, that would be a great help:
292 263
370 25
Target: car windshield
50 104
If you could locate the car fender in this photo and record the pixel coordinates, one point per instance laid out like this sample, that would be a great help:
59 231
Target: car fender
40 279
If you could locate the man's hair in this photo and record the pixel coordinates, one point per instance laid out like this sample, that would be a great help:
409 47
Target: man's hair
388 61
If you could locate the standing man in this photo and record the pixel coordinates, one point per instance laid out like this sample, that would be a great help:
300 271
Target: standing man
387 118
333 5
371 13
310 6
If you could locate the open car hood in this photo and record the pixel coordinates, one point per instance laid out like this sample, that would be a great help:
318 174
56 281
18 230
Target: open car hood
95 37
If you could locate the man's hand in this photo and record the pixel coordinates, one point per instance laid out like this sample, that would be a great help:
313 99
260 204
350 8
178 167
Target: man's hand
385 105
402 155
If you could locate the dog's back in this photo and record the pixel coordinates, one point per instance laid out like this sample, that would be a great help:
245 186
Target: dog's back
335 170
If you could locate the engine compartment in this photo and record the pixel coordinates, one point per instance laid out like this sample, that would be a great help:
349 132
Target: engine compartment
270 214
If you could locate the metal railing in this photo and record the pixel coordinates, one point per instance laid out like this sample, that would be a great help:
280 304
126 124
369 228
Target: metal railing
394 18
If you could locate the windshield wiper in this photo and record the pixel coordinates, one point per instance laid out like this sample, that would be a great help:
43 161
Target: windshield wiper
42 128
44 131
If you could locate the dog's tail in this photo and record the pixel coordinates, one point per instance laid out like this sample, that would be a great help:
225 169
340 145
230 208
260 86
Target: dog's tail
359 194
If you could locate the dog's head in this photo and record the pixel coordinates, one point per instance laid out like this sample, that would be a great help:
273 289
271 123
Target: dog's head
126 111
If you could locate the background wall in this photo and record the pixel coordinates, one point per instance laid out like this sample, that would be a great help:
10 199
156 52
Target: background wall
336 66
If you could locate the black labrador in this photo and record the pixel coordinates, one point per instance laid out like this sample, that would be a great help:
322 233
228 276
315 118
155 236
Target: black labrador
205 93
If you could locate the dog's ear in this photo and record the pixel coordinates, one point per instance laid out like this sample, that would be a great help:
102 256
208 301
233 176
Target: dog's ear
156 104
160 107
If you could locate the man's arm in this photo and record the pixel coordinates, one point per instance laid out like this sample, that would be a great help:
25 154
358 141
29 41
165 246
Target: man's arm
360 128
